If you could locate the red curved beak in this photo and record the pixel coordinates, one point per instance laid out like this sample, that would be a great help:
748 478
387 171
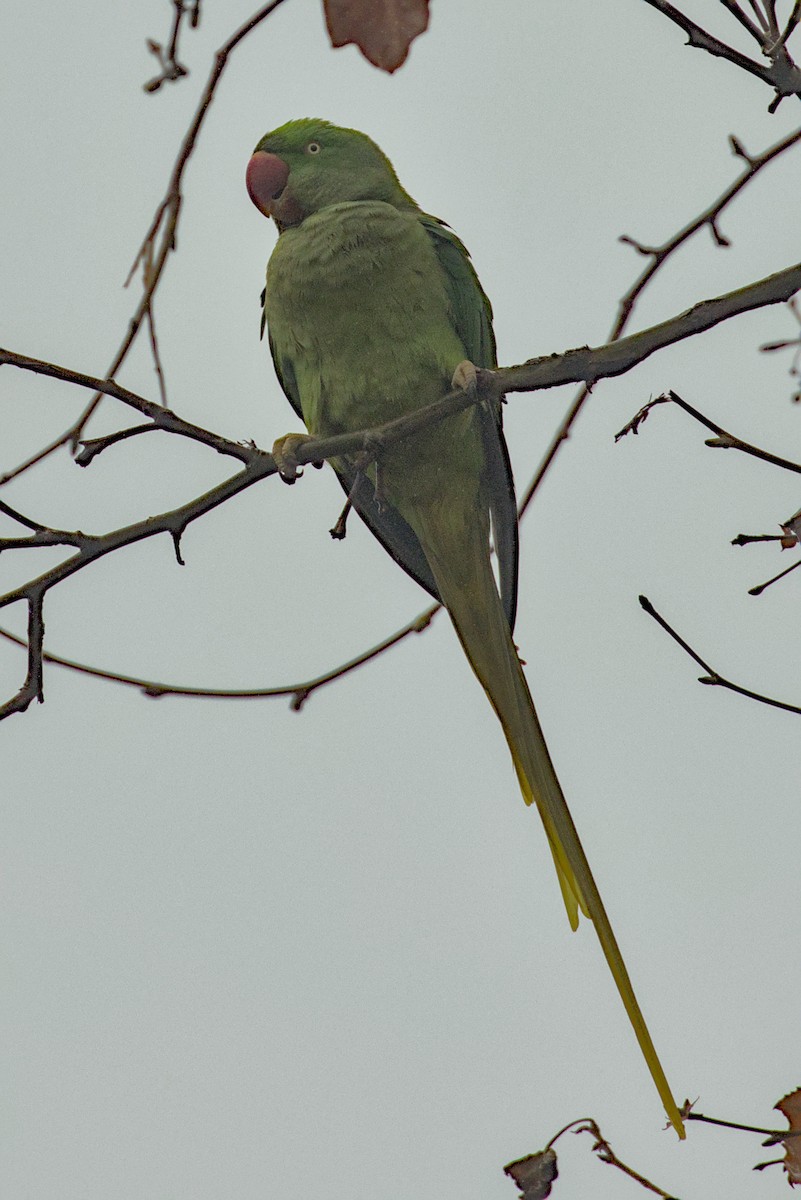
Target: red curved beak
266 178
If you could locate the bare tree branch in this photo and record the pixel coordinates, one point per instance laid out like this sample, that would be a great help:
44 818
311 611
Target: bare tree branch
782 74
551 371
583 365
659 256
617 357
756 33
171 68
789 538
165 224
701 40
162 418
792 22
298 693
723 439
712 677
535 1173
32 687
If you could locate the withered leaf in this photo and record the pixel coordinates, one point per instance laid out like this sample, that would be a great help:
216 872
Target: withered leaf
792 528
382 29
790 1107
534 1174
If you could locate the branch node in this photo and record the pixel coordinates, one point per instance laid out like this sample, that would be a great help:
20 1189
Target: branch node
739 151
176 535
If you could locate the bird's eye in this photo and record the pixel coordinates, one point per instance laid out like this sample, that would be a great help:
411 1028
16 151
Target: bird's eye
313 148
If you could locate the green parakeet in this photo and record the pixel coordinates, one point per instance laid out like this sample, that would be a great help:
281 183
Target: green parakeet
373 309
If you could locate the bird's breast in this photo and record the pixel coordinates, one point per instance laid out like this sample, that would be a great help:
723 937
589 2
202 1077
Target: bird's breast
357 301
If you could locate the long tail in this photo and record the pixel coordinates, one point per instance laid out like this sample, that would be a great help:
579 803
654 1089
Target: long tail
467 586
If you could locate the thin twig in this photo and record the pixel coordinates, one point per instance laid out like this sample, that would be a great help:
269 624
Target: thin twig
90 448
170 206
171 68
767 16
32 688
165 224
616 357
783 75
92 547
162 418
778 1135
723 439
760 587
701 40
46 537
659 256
606 1154
298 692
18 516
746 539
712 677
147 267
709 217
727 441
744 20
792 21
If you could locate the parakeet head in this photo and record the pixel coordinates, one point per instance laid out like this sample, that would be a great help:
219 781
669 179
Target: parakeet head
309 164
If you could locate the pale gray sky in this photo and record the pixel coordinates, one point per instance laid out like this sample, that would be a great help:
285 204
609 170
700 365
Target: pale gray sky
250 953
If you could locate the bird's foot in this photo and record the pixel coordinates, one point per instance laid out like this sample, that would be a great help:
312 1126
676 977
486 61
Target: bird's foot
285 454
465 377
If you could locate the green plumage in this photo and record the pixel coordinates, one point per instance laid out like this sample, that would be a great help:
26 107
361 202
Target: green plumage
371 305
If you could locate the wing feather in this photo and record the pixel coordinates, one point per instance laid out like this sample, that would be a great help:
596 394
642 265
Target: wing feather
385 522
472 315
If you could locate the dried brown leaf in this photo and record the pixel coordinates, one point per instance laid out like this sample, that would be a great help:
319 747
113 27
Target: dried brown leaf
534 1174
790 1107
792 529
382 29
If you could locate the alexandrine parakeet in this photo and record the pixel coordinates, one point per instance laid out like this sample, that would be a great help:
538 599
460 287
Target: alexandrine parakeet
373 309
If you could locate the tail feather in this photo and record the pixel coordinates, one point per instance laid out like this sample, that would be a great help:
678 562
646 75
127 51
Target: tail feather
571 893
467 586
